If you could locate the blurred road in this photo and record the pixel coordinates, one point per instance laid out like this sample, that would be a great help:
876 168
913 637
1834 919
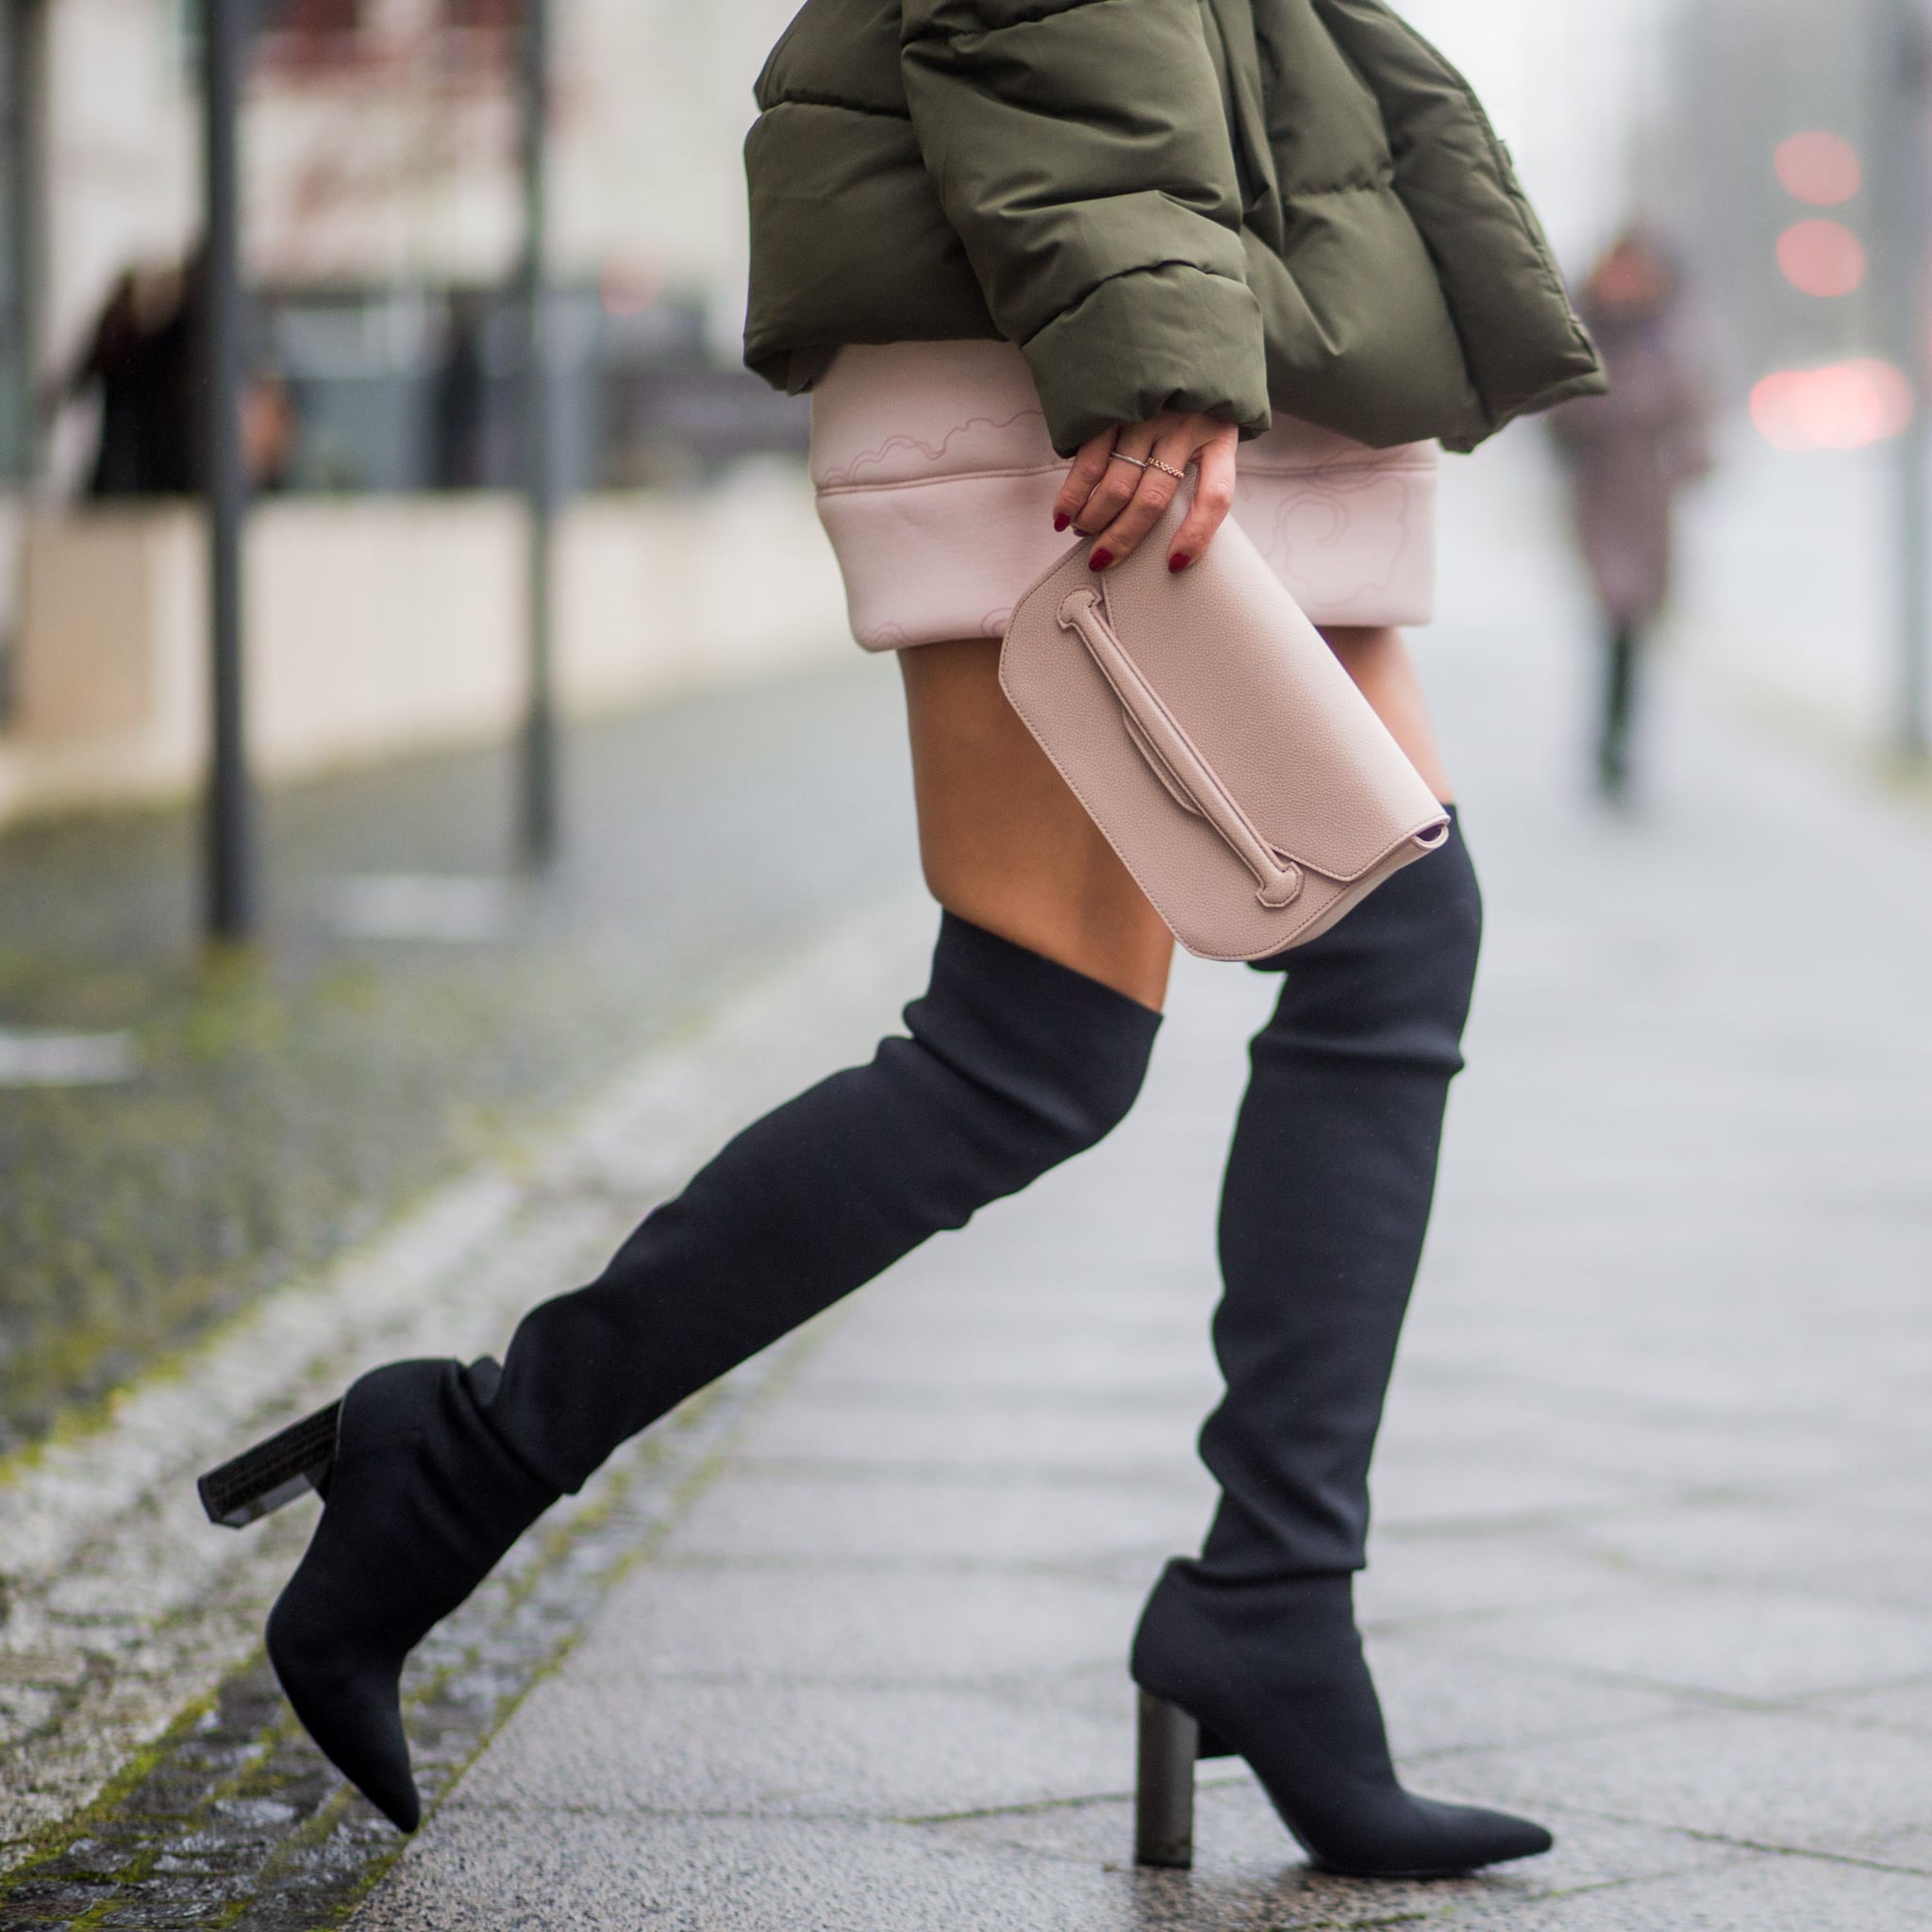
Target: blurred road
1651 1552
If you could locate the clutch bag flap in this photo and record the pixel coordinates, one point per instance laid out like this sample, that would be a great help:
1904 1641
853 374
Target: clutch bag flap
1216 741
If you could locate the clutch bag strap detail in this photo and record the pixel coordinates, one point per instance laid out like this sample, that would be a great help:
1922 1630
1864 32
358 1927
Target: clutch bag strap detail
1189 779
1215 740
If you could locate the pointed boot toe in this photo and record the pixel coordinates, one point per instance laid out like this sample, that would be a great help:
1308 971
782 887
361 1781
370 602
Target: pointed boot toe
349 1702
1490 1837
1275 1674
1398 1835
422 1500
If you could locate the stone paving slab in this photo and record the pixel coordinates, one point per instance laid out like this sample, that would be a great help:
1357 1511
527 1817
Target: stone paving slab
1651 1502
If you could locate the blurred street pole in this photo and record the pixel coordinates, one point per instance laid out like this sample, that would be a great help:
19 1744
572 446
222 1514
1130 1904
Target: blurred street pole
27 119
1904 217
229 884
538 815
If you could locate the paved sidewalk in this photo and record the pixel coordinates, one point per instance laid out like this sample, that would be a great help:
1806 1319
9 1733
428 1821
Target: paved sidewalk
416 1006
1651 1556
124 1613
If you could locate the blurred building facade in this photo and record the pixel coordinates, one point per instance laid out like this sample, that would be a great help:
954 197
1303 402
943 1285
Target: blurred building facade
380 162
382 228
1566 87
1769 168
1788 161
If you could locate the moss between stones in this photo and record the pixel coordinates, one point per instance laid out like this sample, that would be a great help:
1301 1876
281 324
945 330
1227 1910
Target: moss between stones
233 1819
289 1102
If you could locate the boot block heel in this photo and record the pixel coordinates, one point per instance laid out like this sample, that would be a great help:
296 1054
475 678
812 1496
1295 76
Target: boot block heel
1170 1740
260 1481
1171 1743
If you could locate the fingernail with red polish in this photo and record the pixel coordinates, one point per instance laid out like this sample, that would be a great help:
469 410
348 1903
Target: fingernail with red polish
1059 522
1179 561
1100 559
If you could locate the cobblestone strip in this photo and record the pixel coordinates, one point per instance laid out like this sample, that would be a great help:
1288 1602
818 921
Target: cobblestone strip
121 1607
233 1818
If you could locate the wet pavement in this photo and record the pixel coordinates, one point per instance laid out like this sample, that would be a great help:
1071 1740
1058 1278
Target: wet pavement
233 1818
1650 1553
416 1006
147 1769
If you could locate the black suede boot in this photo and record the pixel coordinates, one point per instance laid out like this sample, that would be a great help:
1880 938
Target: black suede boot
1326 1200
1013 1064
422 1500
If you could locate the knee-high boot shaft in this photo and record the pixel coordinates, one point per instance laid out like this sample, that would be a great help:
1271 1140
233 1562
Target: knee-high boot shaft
1326 1200
1011 1064
1327 1197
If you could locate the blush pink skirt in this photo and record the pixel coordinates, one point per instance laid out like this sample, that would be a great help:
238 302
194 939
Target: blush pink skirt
935 482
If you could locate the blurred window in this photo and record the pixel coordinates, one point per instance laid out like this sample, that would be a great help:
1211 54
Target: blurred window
323 35
483 15
479 34
320 19
315 33
399 389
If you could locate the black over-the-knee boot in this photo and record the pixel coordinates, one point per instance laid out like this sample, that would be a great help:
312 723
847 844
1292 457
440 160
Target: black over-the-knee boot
1012 1063
1324 1210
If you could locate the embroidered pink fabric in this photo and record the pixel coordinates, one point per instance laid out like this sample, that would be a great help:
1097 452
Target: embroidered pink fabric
935 482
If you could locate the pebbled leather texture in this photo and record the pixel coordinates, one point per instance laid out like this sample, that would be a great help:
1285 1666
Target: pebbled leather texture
1214 738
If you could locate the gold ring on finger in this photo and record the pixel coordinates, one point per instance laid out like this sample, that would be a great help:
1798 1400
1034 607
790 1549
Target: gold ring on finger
1165 469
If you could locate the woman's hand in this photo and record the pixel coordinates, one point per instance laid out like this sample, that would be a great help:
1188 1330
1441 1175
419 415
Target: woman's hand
1113 495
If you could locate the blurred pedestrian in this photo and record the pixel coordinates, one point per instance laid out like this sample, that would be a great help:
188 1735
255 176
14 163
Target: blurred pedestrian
135 361
991 238
1628 454
459 396
143 357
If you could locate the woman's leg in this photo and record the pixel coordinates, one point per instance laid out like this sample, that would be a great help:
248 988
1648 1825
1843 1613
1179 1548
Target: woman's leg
1006 844
1028 1046
1619 703
1378 660
1324 1210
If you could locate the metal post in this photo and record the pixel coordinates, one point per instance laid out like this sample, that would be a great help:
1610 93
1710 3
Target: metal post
1915 621
26 117
229 910
537 813
1903 162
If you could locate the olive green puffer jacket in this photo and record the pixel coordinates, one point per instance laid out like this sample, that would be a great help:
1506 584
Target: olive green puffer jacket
1221 206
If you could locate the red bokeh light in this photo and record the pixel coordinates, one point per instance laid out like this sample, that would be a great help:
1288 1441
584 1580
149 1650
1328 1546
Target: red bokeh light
1842 406
626 287
1820 168
1821 257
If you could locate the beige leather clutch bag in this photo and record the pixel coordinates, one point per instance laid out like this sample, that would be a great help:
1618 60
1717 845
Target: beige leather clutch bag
1216 741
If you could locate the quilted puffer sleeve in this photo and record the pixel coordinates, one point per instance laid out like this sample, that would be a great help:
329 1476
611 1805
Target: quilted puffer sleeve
1081 153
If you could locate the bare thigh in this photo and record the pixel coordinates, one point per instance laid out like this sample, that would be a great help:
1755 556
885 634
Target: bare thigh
1006 844
1385 673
